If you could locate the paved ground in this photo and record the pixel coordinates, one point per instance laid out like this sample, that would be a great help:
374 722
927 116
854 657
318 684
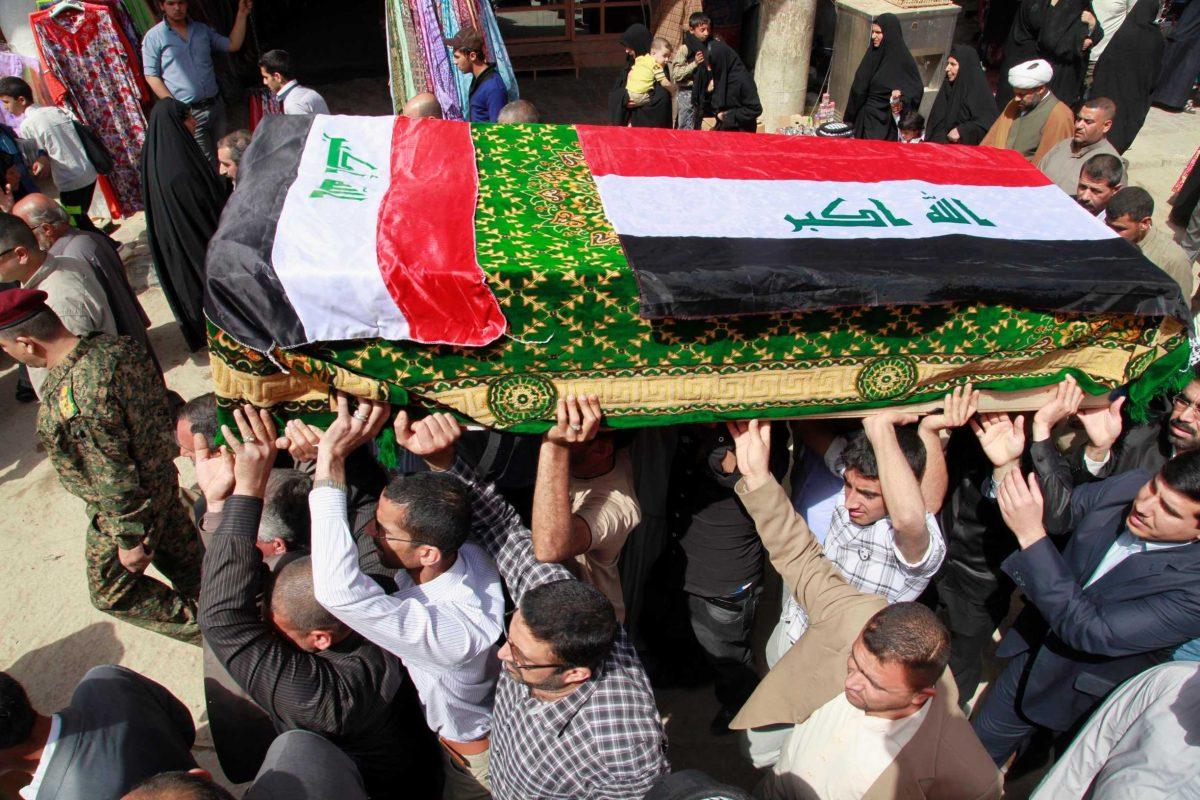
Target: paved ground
51 635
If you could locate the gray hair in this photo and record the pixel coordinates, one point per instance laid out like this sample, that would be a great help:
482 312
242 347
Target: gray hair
518 111
48 214
285 512
236 143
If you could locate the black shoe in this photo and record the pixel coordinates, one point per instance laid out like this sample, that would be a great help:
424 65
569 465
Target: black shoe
720 723
25 394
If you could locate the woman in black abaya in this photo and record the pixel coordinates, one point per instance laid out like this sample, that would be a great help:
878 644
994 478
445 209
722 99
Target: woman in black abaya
1127 69
965 108
1181 61
183 198
1056 32
733 97
887 68
655 114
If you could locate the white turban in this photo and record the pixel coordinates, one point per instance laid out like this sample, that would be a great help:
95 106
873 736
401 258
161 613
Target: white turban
1031 74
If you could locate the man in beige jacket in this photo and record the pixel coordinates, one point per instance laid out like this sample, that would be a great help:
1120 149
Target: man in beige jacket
875 713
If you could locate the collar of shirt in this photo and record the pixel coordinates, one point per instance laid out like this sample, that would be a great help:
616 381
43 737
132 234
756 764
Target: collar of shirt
30 791
440 588
557 714
287 87
1086 150
191 26
55 375
48 266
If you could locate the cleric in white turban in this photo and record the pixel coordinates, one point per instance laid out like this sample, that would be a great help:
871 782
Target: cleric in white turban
1034 120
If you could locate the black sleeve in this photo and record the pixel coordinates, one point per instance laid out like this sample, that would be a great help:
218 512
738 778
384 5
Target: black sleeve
296 687
1057 484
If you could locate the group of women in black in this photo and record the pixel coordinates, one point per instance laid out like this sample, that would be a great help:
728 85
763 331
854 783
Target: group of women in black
722 87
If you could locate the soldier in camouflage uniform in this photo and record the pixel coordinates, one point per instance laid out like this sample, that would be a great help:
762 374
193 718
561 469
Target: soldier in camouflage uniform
105 423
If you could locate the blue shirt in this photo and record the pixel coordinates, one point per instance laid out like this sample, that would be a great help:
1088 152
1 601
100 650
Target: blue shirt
488 96
186 67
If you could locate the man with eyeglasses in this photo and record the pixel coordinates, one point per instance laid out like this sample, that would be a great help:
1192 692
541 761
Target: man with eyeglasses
445 617
1111 447
574 714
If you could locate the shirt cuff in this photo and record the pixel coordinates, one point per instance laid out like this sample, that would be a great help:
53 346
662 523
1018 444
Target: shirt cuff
211 520
930 532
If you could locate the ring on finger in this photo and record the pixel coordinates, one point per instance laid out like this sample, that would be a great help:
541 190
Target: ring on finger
361 415
576 427
249 439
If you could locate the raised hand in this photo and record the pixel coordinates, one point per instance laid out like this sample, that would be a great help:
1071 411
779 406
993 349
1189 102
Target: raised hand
885 421
254 452
214 471
1002 438
1103 426
1021 506
433 438
301 440
350 431
577 420
957 409
1064 403
752 448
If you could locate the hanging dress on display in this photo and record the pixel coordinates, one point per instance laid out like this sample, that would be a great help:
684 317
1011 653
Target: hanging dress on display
89 67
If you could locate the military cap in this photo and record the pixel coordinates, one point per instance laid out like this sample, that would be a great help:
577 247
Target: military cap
18 305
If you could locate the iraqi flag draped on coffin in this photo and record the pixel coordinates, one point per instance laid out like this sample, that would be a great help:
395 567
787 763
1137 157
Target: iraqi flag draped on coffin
775 223
363 228
681 276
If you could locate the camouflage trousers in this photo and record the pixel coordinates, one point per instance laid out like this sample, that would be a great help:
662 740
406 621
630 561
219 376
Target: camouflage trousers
140 599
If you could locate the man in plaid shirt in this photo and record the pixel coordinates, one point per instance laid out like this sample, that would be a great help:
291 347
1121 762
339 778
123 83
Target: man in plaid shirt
574 714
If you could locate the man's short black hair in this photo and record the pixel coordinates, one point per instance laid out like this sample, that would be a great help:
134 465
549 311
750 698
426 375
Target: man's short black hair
437 509
292 595
277 61
1182 473
1101 104
42 327
16 714
201 414
860 456
14 87
697 19
912 121
1105 167
574 618
1133 201
912 635
467 41
15 233
178 786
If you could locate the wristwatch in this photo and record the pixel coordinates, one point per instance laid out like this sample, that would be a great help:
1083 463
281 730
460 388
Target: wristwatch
322 483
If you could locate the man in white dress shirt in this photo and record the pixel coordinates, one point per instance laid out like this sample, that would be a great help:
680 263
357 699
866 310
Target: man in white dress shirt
276 69
447 614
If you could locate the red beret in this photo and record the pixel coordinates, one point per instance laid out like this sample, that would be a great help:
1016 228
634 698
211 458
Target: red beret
18 305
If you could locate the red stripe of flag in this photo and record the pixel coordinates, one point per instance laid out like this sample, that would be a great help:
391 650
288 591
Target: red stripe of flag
425 240
654 152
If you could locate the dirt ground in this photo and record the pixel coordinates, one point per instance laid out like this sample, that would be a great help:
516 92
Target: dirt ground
51 635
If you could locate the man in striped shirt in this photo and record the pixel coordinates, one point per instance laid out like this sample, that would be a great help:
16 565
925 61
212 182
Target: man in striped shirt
447 613
574 716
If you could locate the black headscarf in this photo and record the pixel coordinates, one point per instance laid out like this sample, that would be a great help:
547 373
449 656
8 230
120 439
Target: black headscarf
183 198
1126 71
655 114
1060 41
733 90
882 69
966 104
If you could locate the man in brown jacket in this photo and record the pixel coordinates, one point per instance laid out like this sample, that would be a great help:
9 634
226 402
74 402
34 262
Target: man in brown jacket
874 712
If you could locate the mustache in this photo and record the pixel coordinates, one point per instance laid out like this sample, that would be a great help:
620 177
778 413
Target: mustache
1183 426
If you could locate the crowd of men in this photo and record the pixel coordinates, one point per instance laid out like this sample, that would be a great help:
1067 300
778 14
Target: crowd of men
491 616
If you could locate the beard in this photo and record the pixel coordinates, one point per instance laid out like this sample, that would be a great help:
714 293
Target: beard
1181 443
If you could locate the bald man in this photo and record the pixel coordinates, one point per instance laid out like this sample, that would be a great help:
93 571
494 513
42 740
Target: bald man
421 105
55 235
519 111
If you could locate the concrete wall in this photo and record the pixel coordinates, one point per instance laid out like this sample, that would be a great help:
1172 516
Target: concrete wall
14 21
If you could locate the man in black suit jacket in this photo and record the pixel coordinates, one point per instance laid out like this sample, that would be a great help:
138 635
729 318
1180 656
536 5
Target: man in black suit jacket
118 729
303 667
1123 593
